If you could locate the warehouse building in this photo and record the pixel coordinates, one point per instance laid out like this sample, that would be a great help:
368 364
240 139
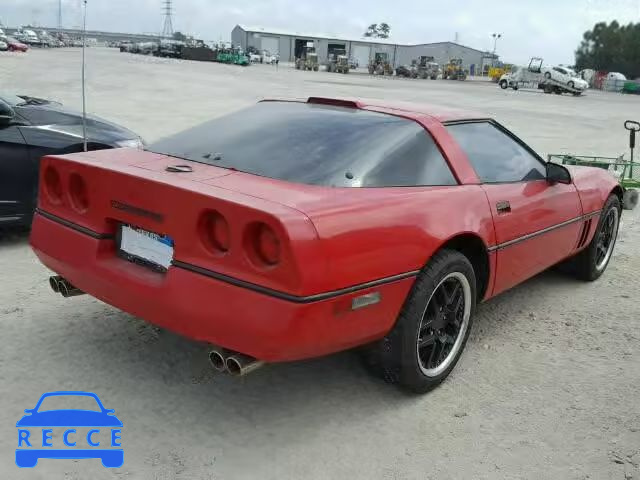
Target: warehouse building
289 46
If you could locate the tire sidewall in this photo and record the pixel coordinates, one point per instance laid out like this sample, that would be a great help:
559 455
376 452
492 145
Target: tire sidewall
400 345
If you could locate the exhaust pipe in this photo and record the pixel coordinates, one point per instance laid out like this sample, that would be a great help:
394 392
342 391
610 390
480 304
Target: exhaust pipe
54 283
217 358
67 290
239 365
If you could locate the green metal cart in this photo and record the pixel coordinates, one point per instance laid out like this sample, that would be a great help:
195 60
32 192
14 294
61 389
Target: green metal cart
626 171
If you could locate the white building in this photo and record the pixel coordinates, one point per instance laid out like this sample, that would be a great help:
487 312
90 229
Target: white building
289 45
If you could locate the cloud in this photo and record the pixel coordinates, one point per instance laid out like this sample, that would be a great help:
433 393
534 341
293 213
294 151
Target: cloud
546 28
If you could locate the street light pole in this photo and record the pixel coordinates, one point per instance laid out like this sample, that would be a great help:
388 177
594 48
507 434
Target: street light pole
495 36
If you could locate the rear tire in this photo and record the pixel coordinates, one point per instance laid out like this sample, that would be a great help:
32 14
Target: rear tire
593 260
504 84
433 327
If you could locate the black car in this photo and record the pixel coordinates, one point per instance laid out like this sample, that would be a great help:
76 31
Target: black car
33 127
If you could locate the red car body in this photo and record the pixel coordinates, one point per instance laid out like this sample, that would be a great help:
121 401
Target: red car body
16 46
337 244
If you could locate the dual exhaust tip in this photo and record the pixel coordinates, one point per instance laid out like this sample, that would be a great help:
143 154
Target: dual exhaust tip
233 363
64 287
222 360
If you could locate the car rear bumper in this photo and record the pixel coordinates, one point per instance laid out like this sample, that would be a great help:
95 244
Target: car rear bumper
216 311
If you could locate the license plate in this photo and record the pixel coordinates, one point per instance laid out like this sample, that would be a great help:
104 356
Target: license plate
147 248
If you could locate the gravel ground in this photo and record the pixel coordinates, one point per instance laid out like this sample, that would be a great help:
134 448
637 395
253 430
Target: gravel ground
548 387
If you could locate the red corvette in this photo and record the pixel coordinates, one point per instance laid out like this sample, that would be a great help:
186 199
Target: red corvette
15 45
291 230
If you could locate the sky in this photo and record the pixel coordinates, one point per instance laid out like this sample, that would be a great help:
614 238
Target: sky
550 29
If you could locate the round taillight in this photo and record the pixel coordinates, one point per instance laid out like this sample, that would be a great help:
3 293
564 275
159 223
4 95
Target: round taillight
78 193
53 185
214 232
267 245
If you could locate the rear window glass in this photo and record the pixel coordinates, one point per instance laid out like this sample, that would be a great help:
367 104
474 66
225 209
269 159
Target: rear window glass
317 145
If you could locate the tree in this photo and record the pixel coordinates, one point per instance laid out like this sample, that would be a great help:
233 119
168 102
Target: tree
179 36
372 30
378 31
611 48
383 30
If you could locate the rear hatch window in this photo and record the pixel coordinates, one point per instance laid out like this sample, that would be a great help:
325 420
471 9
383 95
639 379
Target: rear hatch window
316 145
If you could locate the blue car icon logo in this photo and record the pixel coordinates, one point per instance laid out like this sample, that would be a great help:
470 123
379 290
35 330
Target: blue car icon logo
83 433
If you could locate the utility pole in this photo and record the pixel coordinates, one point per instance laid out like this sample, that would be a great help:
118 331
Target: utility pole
59 14
167 9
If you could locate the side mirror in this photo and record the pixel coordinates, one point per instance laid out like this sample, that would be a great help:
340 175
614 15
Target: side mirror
558 173
6 114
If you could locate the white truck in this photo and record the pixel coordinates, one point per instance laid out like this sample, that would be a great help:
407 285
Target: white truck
550 79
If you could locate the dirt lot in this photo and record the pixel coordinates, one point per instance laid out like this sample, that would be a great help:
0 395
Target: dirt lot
548 388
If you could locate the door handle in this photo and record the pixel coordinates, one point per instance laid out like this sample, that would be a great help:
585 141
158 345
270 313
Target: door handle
503 207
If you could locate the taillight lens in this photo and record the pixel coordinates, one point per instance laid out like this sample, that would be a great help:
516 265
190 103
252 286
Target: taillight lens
214 232
267 245
53 185
78 193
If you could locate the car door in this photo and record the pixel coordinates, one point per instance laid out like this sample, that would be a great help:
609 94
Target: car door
14 158
537 224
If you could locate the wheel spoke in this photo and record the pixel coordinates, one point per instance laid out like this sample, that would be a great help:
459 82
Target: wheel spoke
459 303
449 298
432 355
436 303
442 354
426 341
610 221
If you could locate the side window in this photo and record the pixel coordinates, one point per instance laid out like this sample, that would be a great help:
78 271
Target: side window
495 156
413 161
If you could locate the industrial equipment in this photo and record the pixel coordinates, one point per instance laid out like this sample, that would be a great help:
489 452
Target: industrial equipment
380 67
338 61
454 70
231 55
427 68
309 58
497 71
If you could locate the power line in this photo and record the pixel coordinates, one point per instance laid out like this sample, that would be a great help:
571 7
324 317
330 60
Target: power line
167 10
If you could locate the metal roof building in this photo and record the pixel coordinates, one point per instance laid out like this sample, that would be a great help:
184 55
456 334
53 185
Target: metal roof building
289 45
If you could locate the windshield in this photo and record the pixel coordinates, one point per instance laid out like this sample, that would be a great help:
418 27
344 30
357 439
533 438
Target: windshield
315 144
69 402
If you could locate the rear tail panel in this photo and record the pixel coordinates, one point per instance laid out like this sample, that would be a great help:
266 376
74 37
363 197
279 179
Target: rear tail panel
224 231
